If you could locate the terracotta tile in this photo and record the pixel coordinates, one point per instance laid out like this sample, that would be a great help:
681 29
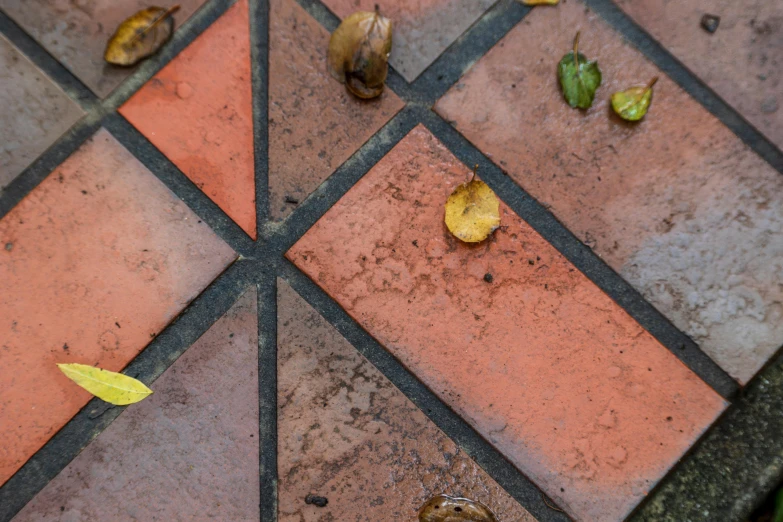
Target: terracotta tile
312 118
676 204
96 261
198 111
423 29
348 434
76 33
544 365
740 61
189 451
35 112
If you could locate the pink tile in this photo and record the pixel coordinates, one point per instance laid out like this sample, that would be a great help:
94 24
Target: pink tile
676 204
187 452
346 433
97 260
314 123
542 363
198 111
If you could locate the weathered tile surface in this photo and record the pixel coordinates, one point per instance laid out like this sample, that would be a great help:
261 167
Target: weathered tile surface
741 61
187 452
198 111
676 204
94 263
423 29
34 112
314 123
346 433
76 32
545 366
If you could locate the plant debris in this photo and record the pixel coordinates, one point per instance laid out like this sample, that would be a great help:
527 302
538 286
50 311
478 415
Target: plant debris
472 211
443 508
315 500
540 2
710 23
114 388
632 104
579 78
140 35
359 53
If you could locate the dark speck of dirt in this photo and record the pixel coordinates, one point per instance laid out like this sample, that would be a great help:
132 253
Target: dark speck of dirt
9 246
84 192
710 23
488 277
316 500
416 243
231 336
117 325
293 201
65 347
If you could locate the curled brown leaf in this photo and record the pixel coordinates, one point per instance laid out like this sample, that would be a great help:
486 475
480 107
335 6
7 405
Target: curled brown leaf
140 35
359 53
443 508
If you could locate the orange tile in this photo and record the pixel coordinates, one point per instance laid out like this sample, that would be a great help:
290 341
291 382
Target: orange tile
541 362
187 452
198 111
314 123
422 29
676 204
346 433
96 261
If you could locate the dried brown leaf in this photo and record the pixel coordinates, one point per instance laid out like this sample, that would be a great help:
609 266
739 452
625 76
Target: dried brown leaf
359 53
140 35
443 508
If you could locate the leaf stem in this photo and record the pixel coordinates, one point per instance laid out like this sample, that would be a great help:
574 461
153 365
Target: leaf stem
652 82
576 50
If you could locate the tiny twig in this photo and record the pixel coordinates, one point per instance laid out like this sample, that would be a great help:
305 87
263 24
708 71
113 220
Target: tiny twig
553 508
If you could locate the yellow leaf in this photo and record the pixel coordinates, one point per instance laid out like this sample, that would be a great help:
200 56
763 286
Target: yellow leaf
359 53
632 104
472 211
540 2
112 387
140 35
443 508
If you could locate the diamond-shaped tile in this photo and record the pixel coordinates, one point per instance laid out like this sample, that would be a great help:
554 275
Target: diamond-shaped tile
187 452
676 204
76 33
198 111
314 123
94 263
346 433
35 112
540 361
423 29
740 61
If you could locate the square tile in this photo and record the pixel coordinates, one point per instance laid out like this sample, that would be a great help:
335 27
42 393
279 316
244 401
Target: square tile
541 362
35 112
76 32
95 262
676 203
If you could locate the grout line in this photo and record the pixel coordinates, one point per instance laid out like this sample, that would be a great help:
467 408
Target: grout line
522 489
585 260
259 60
58 73
267 392
96 416
689 82
181 185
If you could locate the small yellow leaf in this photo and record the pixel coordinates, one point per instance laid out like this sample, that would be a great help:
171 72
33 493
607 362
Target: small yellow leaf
632 104
140 35
359 53
112 387
540 2
443 508
472 211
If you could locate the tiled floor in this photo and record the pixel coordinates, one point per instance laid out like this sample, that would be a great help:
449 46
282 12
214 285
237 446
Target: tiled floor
338 341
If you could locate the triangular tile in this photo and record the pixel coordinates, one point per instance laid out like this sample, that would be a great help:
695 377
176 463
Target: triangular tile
198 111
189 451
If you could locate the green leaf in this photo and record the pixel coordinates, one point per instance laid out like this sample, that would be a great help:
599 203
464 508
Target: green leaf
632 104
116 388
778 507
579 78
